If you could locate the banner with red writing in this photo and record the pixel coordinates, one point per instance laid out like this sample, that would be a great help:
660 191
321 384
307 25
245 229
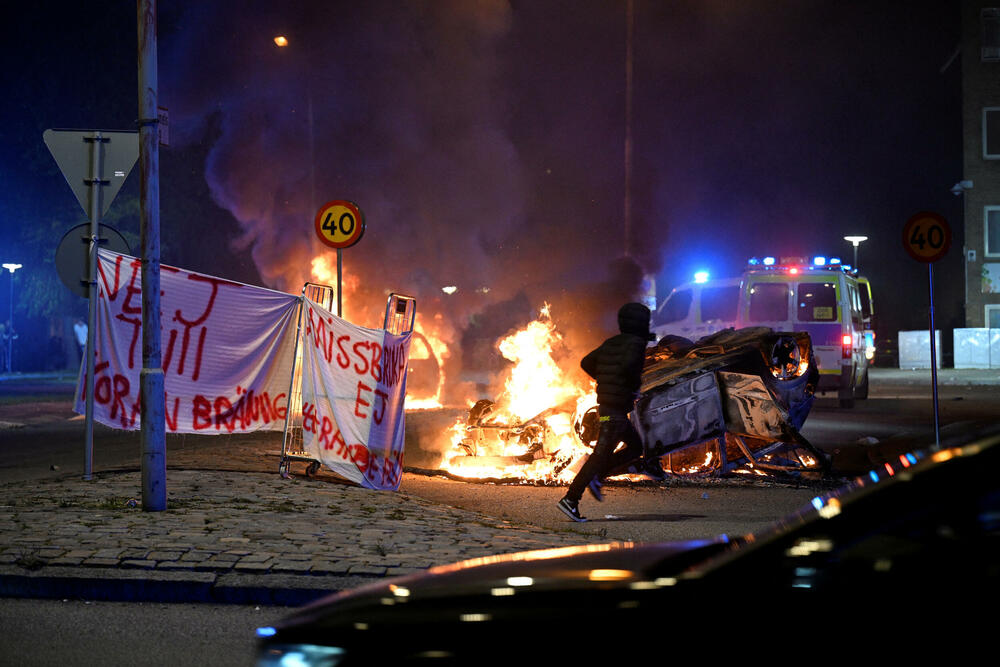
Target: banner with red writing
353 386
226 350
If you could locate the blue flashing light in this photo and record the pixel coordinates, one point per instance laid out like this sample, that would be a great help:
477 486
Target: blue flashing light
769 261
845 267
266 631
911 458
873 475
819 261
701 276
753 261
817 502
834 260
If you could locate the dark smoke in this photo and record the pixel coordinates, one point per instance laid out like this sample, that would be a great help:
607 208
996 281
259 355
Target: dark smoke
419 112
484 140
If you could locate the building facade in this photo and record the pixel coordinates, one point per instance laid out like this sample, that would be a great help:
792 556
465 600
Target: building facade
981 160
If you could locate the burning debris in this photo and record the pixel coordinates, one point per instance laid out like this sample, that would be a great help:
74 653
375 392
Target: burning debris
731 403
528 433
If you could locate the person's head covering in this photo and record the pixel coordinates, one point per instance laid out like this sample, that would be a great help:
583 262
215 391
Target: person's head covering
633 318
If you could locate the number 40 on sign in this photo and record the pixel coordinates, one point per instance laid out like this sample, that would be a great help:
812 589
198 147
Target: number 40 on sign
927 237
339 224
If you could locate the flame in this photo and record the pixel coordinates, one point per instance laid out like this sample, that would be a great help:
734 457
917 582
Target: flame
529 432
535 382
696 469
324 272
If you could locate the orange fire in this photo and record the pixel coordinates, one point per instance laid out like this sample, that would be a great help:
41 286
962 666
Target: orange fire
324 272
529 432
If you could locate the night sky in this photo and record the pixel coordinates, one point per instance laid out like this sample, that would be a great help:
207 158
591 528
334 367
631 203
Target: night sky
484 142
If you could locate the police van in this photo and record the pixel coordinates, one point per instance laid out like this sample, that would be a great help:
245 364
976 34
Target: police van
823 297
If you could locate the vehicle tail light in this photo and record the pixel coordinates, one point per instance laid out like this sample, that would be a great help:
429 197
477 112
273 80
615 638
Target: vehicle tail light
847 342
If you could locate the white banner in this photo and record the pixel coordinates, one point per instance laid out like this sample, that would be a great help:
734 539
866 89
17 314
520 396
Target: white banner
226 350
353 386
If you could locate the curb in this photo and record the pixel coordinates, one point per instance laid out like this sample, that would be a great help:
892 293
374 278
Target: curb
117 585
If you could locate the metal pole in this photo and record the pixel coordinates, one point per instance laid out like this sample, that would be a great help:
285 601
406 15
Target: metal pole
855 265
340 282
629 36
296 365
934 383
151 398
10 340
96 169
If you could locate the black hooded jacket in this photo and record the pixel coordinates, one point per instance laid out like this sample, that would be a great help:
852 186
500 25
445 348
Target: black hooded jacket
617 363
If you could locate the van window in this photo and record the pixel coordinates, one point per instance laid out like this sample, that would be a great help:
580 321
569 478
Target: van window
769 302
817 302
674 309
852 292
866 302
719 303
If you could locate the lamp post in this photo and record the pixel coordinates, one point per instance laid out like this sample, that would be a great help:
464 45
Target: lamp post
10 334
282 43
856 241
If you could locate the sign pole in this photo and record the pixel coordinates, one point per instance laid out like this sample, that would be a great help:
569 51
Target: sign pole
934 382
95 181
340 281
927 238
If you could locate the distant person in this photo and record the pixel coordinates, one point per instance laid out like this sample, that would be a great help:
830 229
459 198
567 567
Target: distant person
4 346
80 330
617 367
9 336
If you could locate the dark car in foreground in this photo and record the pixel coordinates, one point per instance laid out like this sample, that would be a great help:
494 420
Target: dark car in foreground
903 560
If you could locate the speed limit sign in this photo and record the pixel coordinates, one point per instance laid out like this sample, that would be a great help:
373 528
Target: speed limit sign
339 224
927 237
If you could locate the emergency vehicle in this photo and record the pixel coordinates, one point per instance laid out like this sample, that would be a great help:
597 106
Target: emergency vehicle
823 297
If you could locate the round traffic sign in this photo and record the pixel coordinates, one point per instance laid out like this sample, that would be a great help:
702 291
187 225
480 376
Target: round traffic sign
73 254
339 223
927 237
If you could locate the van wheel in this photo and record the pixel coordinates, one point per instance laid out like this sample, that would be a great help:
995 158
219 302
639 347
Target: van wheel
861 391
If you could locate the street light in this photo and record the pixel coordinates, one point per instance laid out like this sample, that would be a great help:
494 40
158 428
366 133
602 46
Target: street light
856 241
10 334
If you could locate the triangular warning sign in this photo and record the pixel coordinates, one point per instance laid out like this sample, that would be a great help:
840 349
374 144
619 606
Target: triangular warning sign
74 153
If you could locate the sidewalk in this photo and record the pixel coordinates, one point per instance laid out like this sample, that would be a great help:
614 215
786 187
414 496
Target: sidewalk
240 537
962 377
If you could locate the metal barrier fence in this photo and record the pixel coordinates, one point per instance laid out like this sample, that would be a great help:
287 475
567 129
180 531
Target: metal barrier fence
400 317
291 442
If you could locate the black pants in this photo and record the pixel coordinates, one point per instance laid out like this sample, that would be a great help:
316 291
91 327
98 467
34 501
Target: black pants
614 429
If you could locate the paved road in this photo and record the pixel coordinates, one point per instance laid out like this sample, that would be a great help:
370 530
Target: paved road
73 632
235 531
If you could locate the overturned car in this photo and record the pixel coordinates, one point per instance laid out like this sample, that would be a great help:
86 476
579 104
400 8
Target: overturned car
732 402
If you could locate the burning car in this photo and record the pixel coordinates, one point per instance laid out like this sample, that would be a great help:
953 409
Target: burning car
423 379
733 401
875 559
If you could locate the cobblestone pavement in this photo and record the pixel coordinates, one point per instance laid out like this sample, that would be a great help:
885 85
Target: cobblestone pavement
234 535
